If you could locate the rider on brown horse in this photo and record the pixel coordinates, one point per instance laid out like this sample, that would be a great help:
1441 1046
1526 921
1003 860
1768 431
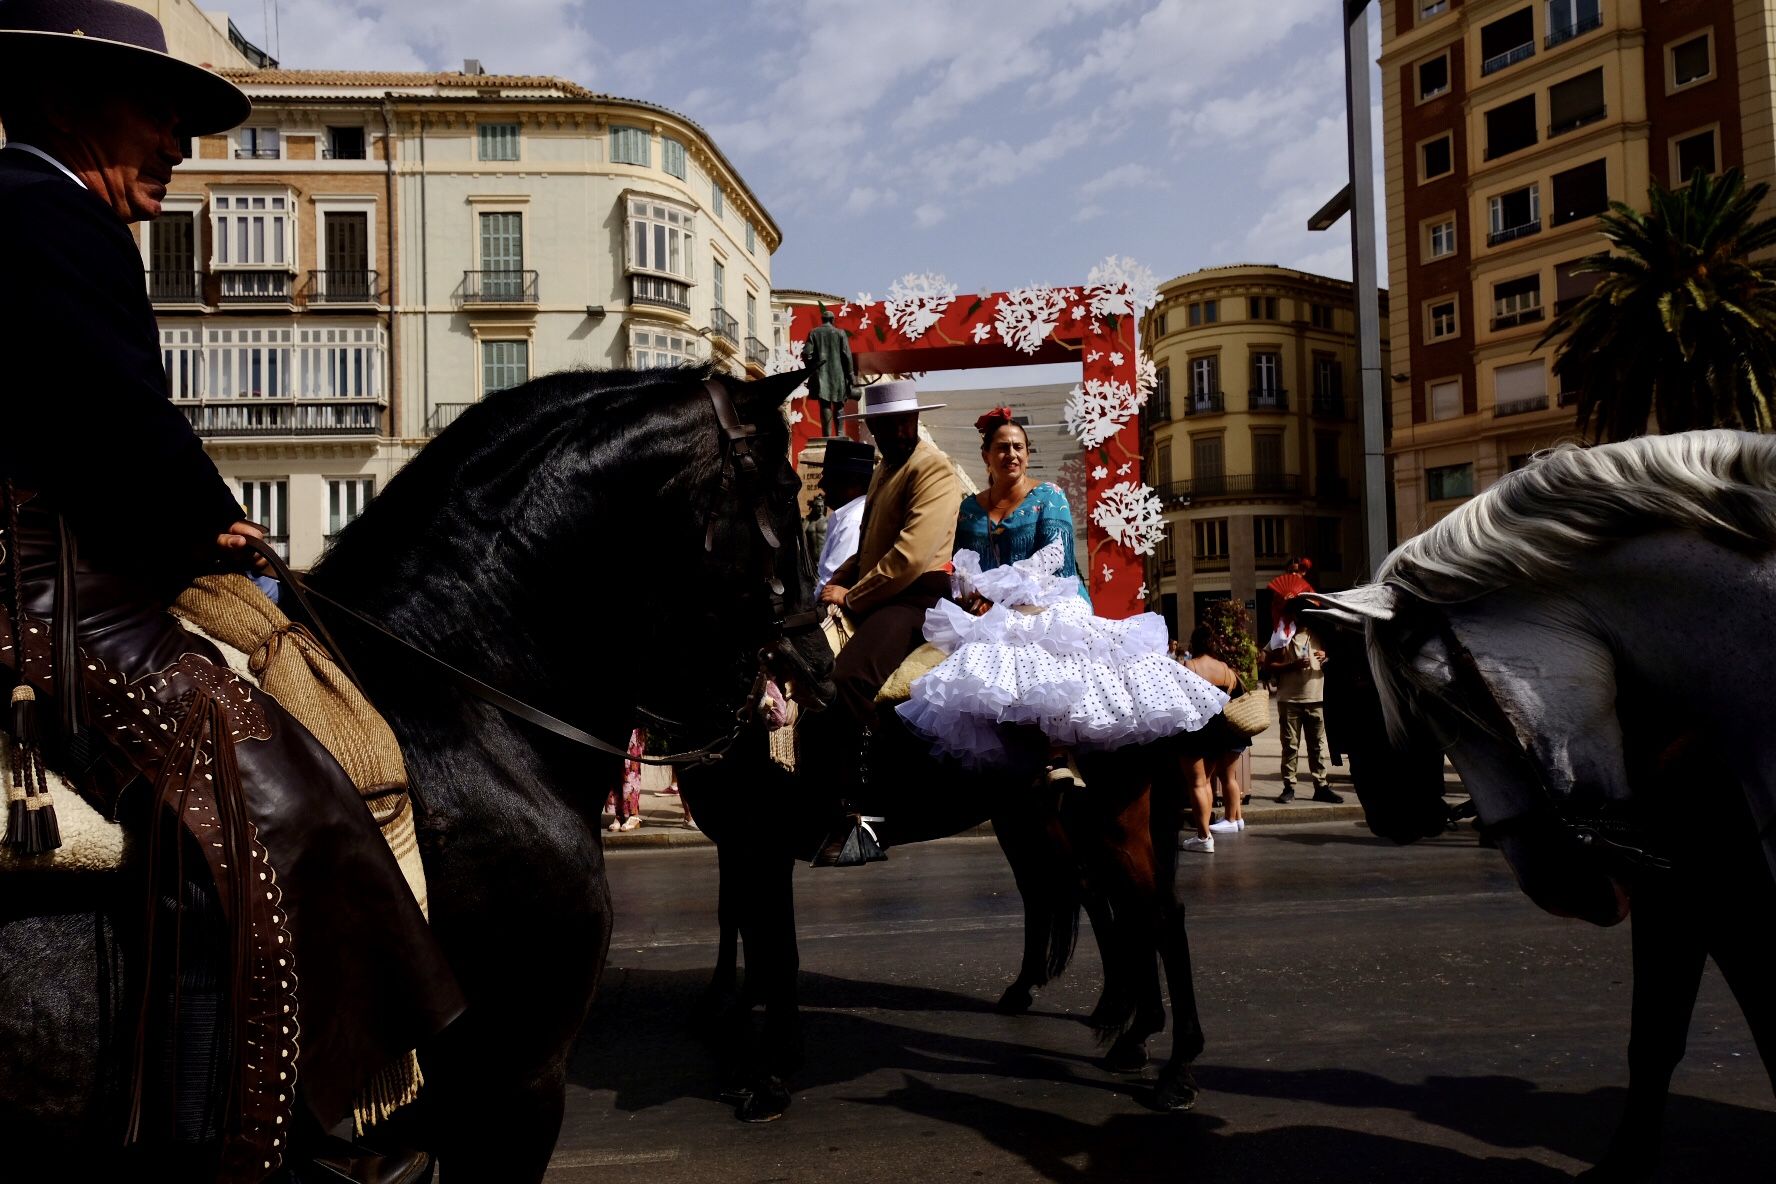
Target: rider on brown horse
278 960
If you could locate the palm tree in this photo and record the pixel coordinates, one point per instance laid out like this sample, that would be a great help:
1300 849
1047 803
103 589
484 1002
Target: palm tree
1681 328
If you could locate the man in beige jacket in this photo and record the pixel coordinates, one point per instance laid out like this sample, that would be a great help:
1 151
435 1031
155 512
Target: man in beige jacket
901 569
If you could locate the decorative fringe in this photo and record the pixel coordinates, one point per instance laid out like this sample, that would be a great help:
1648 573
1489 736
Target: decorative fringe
393 1087
31 826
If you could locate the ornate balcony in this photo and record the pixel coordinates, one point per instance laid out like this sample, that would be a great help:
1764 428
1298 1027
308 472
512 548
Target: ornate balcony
1499 61
1204 403
1223 486
256 287
176 288
653 289
756 353
499 287
1267 398
723 327
1512 233
1577 29
233 419
337 287
443 415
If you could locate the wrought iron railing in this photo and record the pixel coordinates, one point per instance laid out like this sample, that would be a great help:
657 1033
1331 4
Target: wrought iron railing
1521 316
1498 61
1520 406
1511 233
256 153
1576 122
175 287
1232 485
499 287
653 289
756 352
283 417
723 324
1267 398
1204 403
1577 29
443 415
342 287
255 287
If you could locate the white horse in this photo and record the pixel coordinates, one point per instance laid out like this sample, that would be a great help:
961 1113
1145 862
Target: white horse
1590 641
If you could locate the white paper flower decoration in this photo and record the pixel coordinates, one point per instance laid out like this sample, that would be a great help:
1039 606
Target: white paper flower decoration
1108 572
915 302
1146 376
1026 316
1097 410
981 331
1130 513
1121 287
1116 359
1099 473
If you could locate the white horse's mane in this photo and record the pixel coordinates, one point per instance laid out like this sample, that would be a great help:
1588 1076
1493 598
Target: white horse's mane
1547 521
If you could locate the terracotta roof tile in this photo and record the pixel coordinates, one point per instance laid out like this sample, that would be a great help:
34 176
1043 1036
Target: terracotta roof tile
391 78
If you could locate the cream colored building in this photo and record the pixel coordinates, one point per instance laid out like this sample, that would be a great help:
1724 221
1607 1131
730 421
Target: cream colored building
205 36
1252 437
1510 124
374 251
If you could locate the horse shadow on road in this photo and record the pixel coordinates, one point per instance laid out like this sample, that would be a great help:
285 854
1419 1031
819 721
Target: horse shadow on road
640 1048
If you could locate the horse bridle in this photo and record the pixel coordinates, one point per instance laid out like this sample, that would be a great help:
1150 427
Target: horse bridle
741 476
1609 833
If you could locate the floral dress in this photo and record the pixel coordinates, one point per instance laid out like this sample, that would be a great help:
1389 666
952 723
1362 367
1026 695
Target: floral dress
1039 657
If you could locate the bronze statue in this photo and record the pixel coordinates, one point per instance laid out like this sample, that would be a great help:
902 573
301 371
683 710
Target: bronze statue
827 354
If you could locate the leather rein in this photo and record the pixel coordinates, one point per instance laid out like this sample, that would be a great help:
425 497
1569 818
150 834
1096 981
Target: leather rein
742 476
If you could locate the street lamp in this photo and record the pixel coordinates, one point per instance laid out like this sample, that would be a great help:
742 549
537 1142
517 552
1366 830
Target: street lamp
1357 199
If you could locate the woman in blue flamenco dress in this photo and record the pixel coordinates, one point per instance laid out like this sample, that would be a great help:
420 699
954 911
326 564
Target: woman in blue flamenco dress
1022 646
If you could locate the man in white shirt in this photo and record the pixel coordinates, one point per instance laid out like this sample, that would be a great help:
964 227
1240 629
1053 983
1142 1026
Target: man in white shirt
844 479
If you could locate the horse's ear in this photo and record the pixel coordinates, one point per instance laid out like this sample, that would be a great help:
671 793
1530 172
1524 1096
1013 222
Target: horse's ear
774 388
1349 610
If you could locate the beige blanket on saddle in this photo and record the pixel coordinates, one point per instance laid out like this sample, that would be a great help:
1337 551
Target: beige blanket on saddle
262 646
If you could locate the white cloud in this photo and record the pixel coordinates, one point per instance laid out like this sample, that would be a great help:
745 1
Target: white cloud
509 37
928 214
864 198
1124 176
1088 213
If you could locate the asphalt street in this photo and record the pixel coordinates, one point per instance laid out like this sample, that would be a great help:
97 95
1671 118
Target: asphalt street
1374 1014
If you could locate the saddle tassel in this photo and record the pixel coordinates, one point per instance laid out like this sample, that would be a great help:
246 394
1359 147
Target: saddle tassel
31 826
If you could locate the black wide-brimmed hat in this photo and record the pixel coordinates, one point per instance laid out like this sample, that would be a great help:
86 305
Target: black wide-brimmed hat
106 41
846 457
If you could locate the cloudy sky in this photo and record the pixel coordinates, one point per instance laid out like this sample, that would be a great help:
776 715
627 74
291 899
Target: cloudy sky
1000 142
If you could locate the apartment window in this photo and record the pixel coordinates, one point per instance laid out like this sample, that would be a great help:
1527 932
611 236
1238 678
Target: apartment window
1514 215
1576 102
752 315
717 204
1168 558
1572 283
653 348
1159 325
253 229
172 257
1507 41
1443 400
1206 461
504 364
1431 8
718 281
1580 193
345 143
1519 388
346 498
268 503
672 157
1162 463
1691 61
660 238
1433 77
1692 154
502 256
1210 538
1320 315
1517 302
1449 481
1569 18
1205 312
339 362
257 143
751 239
1329 382
1159 403
1205 375
181 356
1441 320
1268 536
497 141
1267 370
1436 158
629 145
1267 455
1261 308
1510 127
1441 239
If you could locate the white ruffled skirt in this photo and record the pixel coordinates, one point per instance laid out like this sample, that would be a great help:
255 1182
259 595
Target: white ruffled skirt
1085 681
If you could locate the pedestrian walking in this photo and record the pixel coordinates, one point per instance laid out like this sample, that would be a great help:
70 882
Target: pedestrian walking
1298 665
1215 750
625 799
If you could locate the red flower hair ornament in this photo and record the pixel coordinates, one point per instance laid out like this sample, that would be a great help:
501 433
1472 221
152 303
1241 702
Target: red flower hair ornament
992 421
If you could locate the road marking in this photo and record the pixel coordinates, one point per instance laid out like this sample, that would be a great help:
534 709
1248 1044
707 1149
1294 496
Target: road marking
612 1159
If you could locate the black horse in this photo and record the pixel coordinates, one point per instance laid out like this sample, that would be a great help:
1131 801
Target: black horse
582 542
1112 847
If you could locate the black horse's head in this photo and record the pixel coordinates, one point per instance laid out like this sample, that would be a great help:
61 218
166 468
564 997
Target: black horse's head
599 540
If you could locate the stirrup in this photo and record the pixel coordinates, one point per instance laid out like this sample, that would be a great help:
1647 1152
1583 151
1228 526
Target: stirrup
852 844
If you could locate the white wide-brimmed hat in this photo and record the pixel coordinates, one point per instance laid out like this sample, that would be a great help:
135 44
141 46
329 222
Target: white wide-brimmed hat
894 398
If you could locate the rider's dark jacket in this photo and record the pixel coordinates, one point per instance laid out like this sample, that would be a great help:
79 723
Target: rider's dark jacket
87 430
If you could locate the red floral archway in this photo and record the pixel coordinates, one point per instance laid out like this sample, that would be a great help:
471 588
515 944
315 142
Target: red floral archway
925 325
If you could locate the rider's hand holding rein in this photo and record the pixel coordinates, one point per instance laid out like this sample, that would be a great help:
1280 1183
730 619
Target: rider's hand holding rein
833 594
234 542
